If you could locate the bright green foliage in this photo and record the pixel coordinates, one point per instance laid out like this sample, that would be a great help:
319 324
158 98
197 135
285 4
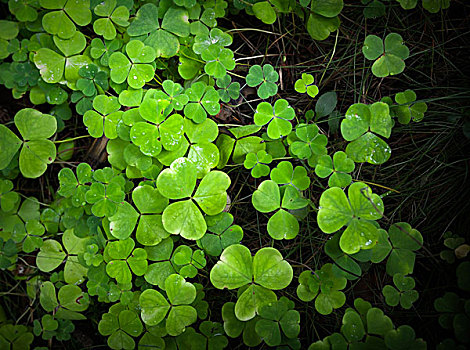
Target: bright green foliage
285 174
228 90
15 337
337 169
66 14
358 212
361 124
392 52
67 303
345 264
105 195
93 80
121 258
37 152
258 163
324 286
277 118
203 100
121 325
113 15
266 76
403 294
267 198
178 182
265 271
104 117
103 50
233 327
310 144
136 67
319 26
215 37
305 85
177 310
221 234
8 198
218 61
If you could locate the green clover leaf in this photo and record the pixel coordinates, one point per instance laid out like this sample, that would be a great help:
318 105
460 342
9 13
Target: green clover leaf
24 10
223 234
267 77
203 100
218 61
337 169
305 85
120 325
403 294
278 118
92 80
103 50
228 90
264 272
285 174
8 198
358 211
105 198
162 267
113 15
408 109
135 67
311 143
121 258
434 6
67 14
392 52
258 163
215 37
234 327
104 117
320 27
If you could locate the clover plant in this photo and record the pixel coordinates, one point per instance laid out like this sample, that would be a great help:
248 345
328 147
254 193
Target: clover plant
305 85
403 292
337 169
220 234
264 78
277 118
261 274
258 163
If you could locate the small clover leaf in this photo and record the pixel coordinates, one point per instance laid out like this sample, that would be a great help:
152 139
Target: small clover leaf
121 258
162 267
305 85
223 234
103 50
203 100
267 77
177 310
311 143
218 61
216 37
320 27
358 212
278 118
285 174
337 169
104 117
258 163
105 198
112 15
403 294
408 109
93 80
8 198
120 325
67 14
324 286
264 272
135 67
392 53
178 99
228 90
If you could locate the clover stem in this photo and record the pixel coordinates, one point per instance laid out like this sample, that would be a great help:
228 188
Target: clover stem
72 139
331 58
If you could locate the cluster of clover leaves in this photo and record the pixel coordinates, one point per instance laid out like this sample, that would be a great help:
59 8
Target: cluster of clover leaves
137 235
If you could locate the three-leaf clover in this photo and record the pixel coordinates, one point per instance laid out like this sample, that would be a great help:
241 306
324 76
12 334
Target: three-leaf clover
104 117
310 142
337 169
324 286
218 61
121 325
358 212
67 303
221 234
92 80
105 194
112 15
264 272
403 294
277 117
8 198
306 85
136 67
267 198
390 54
285 174
67 14
408 109
203 100
233 327
361 124
103 50
177 309
228 90
266 77
37 152
258 163
179 182
121 258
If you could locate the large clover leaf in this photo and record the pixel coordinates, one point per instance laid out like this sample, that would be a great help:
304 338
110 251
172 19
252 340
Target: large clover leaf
67 14
178 312
278 118
264 272
310 142
112 15
164 38
392 53
360 125
178 182
267 198
135 67
357 211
